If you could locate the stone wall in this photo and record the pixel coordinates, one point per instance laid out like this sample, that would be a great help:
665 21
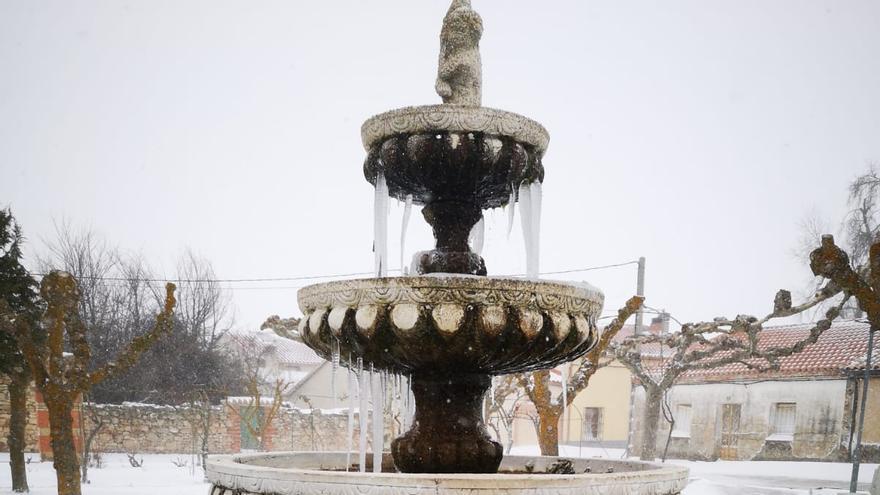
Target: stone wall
146 428
32 432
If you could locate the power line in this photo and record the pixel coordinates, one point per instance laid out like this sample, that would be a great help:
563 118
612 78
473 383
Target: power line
307 277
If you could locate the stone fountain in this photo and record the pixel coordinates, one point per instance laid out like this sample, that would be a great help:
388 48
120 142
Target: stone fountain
449 328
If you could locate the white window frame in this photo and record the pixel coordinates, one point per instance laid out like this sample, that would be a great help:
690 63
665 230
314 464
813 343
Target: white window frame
683 419
586 434
787 412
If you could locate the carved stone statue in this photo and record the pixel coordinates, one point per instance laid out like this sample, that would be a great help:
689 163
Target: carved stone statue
459 75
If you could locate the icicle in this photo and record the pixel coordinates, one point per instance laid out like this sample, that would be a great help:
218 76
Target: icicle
478 236
352 387
525 218
492 391
362 415
564 373
334 361
378 413
511 210
380 226
407 211
536 196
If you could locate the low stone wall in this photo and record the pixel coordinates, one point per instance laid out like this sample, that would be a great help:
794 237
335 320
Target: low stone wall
146 428
32 432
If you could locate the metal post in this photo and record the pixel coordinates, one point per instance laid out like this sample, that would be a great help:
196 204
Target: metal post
857 455
640 291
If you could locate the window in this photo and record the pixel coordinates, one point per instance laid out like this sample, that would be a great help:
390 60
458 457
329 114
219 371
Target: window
783 421
682 428
592 423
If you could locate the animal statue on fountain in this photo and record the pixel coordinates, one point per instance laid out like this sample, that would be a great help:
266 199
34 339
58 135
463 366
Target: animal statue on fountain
460 73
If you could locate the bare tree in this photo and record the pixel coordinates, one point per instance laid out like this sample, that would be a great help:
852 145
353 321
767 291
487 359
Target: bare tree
258 414
205 308
119 296
537 384
62 377
708 345
501 406
96 423
283 327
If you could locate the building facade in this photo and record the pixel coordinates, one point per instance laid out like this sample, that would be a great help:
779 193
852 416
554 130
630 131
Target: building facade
805 410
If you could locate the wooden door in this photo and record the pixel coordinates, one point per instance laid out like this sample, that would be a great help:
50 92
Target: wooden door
730 419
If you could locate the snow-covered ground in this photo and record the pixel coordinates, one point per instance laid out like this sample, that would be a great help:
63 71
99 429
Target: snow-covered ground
117 477
747 478
160 475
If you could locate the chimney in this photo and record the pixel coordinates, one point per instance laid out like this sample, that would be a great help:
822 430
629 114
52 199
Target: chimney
660 324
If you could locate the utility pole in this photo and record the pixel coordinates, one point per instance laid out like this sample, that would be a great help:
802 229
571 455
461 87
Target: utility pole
640 291
857 455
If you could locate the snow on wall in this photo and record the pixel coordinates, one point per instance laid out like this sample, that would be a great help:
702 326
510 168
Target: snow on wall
145 428
31 430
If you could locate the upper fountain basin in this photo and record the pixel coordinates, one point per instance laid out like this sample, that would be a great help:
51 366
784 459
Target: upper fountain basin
454 152
451 323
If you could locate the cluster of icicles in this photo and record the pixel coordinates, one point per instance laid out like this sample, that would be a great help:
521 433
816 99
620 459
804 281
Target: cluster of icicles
369 392
528 195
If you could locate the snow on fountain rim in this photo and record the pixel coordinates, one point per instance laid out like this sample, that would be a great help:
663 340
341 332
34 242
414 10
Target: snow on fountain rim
453 118
457 281
242 473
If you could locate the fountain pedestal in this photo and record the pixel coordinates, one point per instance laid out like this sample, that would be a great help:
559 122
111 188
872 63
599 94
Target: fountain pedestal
448 433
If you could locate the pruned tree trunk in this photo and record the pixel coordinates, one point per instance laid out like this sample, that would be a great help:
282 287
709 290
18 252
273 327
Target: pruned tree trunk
548 431
653 400
18 414
65 460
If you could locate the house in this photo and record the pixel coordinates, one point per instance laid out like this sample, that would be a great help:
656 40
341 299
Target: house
804 410
600 414
275 358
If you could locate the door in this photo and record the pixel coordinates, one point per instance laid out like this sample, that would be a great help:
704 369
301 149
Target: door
730 416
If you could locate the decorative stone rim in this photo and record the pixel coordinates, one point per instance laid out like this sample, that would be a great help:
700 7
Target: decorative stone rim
454 118
543 295
241 472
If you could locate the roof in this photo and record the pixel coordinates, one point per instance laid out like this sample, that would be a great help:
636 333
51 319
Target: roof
286 351
837 349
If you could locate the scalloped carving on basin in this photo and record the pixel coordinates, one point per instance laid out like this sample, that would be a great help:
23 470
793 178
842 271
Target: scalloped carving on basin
451 323
298 473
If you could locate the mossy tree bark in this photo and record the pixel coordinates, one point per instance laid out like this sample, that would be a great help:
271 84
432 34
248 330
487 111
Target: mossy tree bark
537 383
18 416
60 376
65 459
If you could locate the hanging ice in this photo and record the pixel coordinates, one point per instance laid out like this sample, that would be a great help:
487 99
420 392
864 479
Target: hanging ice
378 413
407 211
511 210
362 415
352 387
478 236
525 219
536 197
334 362
380 226
564 372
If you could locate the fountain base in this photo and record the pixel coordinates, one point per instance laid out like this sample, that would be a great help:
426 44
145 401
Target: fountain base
448 433
324 473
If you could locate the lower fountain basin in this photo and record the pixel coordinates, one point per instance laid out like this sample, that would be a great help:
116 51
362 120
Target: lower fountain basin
451 323
302 473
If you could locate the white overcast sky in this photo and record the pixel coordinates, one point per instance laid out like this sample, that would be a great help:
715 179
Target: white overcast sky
695 133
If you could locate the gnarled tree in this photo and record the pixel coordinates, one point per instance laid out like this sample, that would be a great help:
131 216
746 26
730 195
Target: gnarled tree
708 345
537 384
60 363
